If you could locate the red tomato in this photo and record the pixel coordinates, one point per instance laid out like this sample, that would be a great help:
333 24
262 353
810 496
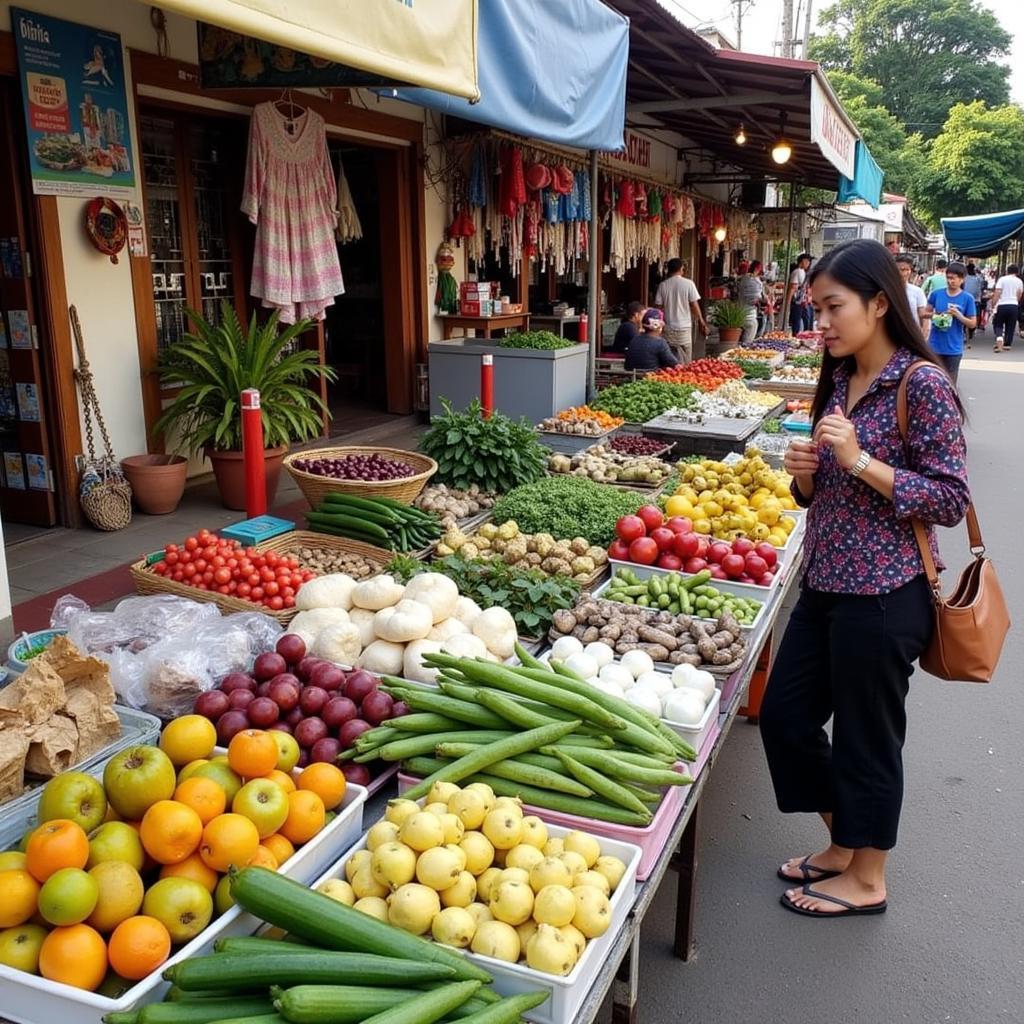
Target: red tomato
663 537
756 566
734 565
257 593
619 550
289 602
705 544
189 570
742 546
160 568
273 558
768 553
271 589
686 545
171 547
287 591
171 557
276 603
643 550
191 543
223 589
679 524
178 576
218 561
718 551
296 580
243 590
266 574
200 565
652 516
254 579
628 528
222 575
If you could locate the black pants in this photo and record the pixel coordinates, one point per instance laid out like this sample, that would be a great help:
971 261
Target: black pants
1005 321
848 658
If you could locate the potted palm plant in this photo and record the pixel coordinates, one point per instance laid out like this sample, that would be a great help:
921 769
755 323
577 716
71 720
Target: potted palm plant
730 318
212 365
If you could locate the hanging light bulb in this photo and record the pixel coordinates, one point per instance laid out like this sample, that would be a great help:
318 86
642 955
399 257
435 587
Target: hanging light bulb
741 136
782 150
720 233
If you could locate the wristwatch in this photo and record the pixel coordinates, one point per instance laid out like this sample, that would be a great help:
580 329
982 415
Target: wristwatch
860 465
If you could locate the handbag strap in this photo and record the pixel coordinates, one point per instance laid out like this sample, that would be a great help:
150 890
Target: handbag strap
977 545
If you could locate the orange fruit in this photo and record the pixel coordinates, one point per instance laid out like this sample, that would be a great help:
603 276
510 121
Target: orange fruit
283 779
326 780
139 946
57 844
252 752
75 955
19 894
194 867
230 839
204 796
170 831
263 858
306 816
280 847
187 739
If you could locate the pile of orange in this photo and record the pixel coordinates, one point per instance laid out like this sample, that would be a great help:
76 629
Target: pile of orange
73 907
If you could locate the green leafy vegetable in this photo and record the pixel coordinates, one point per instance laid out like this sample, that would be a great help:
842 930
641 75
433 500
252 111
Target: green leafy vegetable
642 400
568 506
496 454
543 340
813 361
755 369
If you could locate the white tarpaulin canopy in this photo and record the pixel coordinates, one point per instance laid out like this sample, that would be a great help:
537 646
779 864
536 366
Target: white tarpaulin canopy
429 43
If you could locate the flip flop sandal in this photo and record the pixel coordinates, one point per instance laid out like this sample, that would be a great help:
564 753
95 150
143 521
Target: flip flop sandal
852 910
805 867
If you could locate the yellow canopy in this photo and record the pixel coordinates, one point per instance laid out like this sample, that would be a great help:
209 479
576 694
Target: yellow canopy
431 43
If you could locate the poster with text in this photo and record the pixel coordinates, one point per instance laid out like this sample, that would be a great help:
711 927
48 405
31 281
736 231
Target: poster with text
76 106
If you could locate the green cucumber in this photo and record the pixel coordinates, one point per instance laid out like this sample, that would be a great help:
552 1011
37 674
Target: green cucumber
338 1004
310 915
201 1011
258 946
508 1011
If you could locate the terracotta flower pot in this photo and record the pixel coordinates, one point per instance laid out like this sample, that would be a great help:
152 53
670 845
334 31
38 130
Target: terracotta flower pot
229 471
158 481
729 335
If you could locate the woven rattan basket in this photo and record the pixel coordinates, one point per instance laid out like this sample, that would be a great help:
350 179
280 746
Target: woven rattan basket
403 489
148 582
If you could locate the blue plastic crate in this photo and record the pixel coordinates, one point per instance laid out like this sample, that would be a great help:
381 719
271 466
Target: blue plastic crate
255 531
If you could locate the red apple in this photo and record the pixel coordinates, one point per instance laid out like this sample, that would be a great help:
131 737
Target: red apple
694 565
284 691
229 723
756 565
686 545
628 528
705 544
263 712
734 565
281 727
376 707
337 711
306 666
351 731
663 537
357 773
303 759
718 551
400 708
767 552
717 572
327 676
326 750
313 700
292 648
652 516
268 665
643 550
680 524
238 681
742 546
667 560
619 550
359 684
212 704
240 699
309 730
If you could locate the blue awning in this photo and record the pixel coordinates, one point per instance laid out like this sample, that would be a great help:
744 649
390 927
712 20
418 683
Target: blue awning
984 235
553 71
866 183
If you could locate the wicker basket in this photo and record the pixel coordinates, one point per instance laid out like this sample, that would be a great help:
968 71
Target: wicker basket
148 582
405 488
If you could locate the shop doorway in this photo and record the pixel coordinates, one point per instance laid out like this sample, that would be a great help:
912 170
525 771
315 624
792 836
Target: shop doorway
28 480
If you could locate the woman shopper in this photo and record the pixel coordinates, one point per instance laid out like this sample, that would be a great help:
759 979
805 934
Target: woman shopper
865 611
1006 307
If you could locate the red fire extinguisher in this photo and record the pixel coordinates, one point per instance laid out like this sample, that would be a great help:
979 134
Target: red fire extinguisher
583 336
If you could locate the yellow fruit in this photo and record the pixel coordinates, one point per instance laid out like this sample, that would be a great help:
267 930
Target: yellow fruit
497 939
453 926
583 844
19 947
554 905
462 893
550 951
413 907
511 901
677 505
19 892
535 832
120 895
593 878
381 833
479 852
187 739
372 906
593 911
422 831
523 856
486 881
503 827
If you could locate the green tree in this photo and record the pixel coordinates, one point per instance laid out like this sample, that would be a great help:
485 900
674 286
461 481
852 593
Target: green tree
975 165
926 56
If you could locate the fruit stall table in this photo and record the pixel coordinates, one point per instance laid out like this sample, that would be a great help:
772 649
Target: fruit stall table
484 325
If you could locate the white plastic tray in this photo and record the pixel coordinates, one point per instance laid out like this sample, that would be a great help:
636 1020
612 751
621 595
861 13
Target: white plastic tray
30 999
697 735
735 587
566 994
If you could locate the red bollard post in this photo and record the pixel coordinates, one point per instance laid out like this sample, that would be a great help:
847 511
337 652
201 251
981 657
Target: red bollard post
252 454
487 385
583 335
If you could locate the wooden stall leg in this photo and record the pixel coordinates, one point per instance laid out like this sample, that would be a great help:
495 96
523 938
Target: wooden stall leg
685 863
626 987
758 682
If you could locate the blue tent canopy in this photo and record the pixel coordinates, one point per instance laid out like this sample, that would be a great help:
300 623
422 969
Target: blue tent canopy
554 71
866 183
984 235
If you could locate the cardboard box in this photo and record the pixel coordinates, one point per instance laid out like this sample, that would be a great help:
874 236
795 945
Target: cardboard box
478 308
475 290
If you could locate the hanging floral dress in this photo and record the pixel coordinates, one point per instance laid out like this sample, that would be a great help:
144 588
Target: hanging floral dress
291 197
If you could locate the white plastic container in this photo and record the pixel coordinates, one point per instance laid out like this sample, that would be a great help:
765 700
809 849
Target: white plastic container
697 735
30 999
566 994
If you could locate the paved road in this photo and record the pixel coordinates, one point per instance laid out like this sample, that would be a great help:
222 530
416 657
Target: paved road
951 947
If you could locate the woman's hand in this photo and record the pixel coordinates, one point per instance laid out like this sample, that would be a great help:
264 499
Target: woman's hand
836 431
801 462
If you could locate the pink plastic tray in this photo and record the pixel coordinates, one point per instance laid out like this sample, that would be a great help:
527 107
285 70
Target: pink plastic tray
651 839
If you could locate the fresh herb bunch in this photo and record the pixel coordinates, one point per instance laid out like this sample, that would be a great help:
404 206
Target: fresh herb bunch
496 454
771 427
754 369
642 400
568 506
813 361
531 597
543 340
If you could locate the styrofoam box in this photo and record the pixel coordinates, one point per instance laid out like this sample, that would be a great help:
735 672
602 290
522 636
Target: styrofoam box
566 993
29 999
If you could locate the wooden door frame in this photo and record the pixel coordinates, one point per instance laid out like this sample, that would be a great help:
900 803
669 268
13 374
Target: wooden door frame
54 330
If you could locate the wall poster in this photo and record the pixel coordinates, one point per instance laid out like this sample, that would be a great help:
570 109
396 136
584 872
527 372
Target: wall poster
76 107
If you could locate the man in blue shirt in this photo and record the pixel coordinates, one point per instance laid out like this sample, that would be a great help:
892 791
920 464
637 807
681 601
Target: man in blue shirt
952 302
649 350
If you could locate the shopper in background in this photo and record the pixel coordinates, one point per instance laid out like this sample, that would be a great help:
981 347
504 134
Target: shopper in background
750 293
629 328
865 612
947 340
796 292
1006 307
678 297
974 285
938 279
919 308
649 350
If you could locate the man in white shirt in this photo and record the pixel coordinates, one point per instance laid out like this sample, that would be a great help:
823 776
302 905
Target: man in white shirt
1006 302
916 299
679 298
796 293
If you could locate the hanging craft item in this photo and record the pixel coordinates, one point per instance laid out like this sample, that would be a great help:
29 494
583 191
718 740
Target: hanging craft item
350 229
103 492
446 297
106 226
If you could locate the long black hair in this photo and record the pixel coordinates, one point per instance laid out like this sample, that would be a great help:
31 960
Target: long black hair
869 269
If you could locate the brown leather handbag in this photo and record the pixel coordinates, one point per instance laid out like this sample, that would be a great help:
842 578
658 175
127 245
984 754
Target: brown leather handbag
972 622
